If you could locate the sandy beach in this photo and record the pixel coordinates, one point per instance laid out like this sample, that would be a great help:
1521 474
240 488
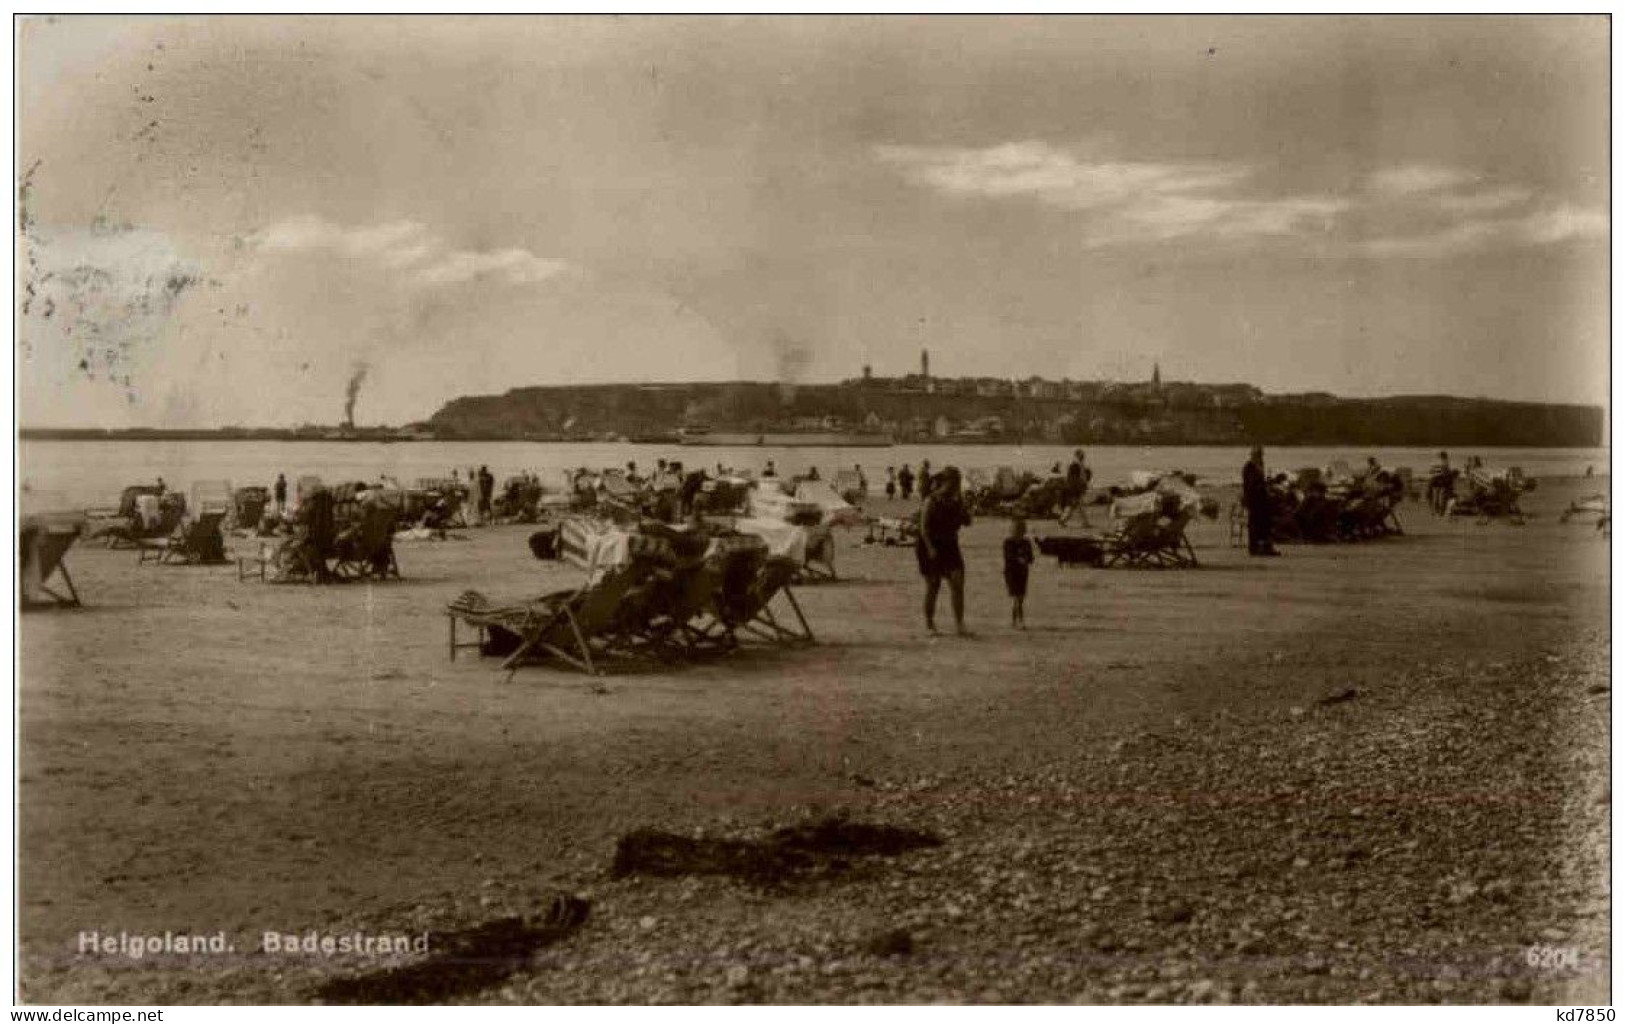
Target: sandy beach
1371 772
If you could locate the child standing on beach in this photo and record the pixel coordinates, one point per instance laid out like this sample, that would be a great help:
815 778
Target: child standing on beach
1018 557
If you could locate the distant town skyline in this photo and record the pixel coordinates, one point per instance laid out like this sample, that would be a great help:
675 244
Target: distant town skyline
251 220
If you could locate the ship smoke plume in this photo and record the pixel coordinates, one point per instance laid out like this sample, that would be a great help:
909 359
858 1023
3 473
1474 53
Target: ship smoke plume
358 374
790 366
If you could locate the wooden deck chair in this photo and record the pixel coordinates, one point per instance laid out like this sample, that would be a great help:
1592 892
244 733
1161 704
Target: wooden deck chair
1173 547
681 596
1151 541
819 566
736 565
198 542
578 627
42 544
366 550
1132 542
850 486
1238 525
753 615
291 561
248 505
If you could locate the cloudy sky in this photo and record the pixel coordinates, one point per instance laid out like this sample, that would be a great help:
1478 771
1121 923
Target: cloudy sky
225 220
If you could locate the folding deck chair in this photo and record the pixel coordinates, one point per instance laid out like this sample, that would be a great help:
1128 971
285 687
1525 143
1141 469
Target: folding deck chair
578 627
42 544
366 550
199 542
1151 541
819 566
850 486
745 605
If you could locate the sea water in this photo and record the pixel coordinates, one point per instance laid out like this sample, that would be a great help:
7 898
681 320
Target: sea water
62 475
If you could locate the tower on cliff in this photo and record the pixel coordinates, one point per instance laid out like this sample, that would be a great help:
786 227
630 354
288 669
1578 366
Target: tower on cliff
1156 376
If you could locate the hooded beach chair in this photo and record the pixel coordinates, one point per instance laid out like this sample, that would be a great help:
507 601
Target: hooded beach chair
42 544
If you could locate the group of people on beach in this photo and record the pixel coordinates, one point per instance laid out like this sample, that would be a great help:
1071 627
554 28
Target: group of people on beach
943 514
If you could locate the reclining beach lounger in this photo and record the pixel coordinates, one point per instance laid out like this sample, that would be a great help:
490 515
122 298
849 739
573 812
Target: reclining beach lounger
42 544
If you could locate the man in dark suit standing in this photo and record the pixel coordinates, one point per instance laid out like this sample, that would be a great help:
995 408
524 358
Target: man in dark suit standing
1255 496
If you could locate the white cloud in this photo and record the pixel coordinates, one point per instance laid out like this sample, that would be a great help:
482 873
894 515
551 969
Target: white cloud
517 266
1552 226
410 248
1434 210
1414 179
1450 241
1485 200
1563 223
1127 200
1051 175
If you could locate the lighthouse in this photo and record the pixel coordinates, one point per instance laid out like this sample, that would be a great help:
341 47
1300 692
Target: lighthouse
925 363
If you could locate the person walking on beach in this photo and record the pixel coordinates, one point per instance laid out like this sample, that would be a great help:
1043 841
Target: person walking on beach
1074 489
905 480
941 518
891 482
925 479
279 491
1441 484
487 485
1018 559
1255 496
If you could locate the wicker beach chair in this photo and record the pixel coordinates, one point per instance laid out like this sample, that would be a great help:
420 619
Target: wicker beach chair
42 545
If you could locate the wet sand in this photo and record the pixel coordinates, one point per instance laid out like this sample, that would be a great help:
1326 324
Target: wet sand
199 754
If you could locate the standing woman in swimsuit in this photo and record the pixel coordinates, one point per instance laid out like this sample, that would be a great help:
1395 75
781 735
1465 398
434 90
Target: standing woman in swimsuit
941 519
